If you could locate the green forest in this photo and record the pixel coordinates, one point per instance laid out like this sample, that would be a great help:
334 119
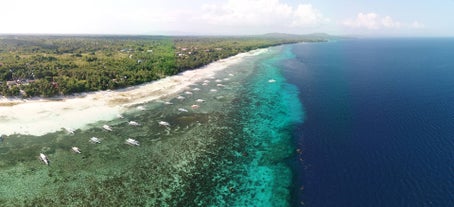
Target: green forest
47 66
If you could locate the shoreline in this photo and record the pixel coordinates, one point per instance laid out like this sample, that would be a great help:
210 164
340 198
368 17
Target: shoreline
39 116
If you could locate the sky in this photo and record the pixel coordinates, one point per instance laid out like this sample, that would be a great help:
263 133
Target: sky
228 17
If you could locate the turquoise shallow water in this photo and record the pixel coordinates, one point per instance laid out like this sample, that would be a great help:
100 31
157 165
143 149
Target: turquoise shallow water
231 151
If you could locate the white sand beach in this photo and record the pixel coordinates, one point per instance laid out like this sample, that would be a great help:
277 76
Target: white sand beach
41 116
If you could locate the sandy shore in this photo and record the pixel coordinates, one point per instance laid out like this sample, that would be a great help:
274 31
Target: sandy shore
41 116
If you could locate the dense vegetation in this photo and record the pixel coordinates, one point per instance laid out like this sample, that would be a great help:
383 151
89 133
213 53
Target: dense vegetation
59 65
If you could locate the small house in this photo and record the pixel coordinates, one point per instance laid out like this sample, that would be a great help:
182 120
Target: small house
11 83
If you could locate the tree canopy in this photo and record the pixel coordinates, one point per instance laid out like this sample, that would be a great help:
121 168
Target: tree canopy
47 66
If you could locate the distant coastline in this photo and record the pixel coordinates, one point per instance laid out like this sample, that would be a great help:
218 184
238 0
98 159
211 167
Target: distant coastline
38 116
54 65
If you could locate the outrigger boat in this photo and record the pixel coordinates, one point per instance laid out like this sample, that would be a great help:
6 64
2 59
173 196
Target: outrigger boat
132 142
95 140
43 158
107 127
76 149
133 123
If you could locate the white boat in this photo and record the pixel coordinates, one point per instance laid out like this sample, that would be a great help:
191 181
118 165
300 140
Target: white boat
164 123
271 81
76 149
107 127
141 108
196 89
69 130
95 140
180 97
213 90
168 103
182 110
188 92
132 142
195 106
133 123
200 100
43 158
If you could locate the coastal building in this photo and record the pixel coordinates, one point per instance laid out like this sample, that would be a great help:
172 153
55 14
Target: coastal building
19 82
11 83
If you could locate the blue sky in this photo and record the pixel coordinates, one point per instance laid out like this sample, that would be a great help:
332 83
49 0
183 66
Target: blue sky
229 17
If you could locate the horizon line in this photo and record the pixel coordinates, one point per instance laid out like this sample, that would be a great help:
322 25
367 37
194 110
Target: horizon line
226 35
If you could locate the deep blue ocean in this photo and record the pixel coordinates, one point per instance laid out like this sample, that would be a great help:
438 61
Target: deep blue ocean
359 122
379 122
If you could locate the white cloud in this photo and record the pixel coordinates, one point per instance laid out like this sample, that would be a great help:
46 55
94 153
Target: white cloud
417 25
260 13
363 20
305 14
388 22
373 21
155 16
